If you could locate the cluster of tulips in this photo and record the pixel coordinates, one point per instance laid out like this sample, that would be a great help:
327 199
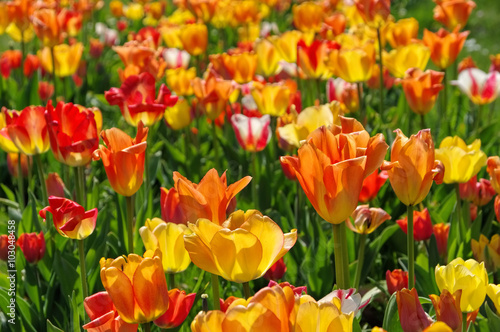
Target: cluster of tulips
308 98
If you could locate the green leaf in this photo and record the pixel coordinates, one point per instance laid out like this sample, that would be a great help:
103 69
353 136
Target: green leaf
65 269
52 328
493 319
8 192
391 316
75 316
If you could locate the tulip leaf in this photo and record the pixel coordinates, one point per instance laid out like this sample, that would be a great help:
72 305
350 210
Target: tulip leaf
31 282
433 253
391 316
493 319
52 328
9 193
65 269
75 316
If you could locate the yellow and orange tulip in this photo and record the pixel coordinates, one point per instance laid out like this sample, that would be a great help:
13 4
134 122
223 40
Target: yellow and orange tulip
353 65
398 61
421 89
67 59
308 16
28 130
272 99
453 13
194 38
402 32
444 46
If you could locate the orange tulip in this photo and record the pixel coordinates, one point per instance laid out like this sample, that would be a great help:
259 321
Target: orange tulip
6 143
396 280
411 314
138 58
136 285
493 168
212 94
122 150
447 307
453 13
374 12
178 309
13 164
421 89
203 9
194 38
69 21
28 130
333 26
20 12
240 66
329 158
310 58
413 166
32 245
308 16
103 315
46 26
246 12
45 90
402 32
444 46
10 59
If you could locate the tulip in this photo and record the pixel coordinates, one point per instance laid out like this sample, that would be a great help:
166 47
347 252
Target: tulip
478 192
130 282
333 26
10 59
367 220
308 16
4 246
310 59
495 62
203 9
378 329
178 116
412 178
286 44
176 58
242 249
496 207
268 58
322 316
469 276
116 8
493 292
374 81
103 315
246 12
6 143
67 59
453 13
123 150
241 67
55 185
45 90
438 327
28 130
168 237
441 232
277 271
374 12
493 168
31 64
70 219
189 201
478 250
421 89
147 36
178 309
466 63
33 246
444 46
447 307
72 132
96 48
396 280
422 225
326 199
398 61
179 80
134 11
13 164
139 58
461 161
411 314
480 87
353 64
272 99
194 38
345 93
212 94
208 321
70 21
252 133
371 185
402 32
494 251
47 27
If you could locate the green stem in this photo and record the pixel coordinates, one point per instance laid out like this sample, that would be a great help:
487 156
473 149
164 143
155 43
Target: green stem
130 222
422 121
255 168
20 183
464 322
147 327
246 290
216 145
461 226
318 87
381 76
171 280
362 110
41 176
54 79
80 185
341 258
215 291
361 259
83 272
445 99
411 249
477 120
466 213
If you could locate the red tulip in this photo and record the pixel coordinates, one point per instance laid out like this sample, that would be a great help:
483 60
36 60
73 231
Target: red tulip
441 232
371 185
33 246
10 59
45 90
277 271
179 305
422 225
31 64
103 315
411 314
70 219
396 280
55 185
4 247
28 130
479 192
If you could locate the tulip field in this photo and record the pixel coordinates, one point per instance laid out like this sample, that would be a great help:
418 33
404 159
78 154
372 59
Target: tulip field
249 165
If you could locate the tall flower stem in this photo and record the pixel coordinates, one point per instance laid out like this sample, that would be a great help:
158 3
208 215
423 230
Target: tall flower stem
41 176
215 145
246 290
80 185
464 322
411 249
461 226
361 259
171 280
215 291
381 75
422 121
341 258
20 183
362 110
130 222
147 327
54 79
83 272
255 168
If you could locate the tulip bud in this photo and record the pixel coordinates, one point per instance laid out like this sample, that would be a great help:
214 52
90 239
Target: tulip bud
422 225
411 314
55 185
441 232
4 247
33 246
276 271
396 280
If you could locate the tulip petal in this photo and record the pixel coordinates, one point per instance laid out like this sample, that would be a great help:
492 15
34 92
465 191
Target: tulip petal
121 292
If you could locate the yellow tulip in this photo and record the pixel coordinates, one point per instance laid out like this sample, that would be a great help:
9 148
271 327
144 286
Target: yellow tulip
134 11
179 80
67 58
169 238
353 64
267 58
438 327
272 99
402 32
194 38
308 16
286 44
469 276
15 33
322 316
398 61
242 249
461 161
6 143
493 292
171 36
179 115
